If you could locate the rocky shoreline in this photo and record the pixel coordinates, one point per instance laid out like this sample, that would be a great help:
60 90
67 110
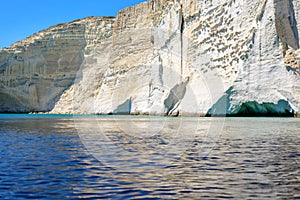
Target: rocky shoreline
169 57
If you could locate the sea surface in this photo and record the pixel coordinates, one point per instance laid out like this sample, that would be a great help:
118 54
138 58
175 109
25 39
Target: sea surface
132 157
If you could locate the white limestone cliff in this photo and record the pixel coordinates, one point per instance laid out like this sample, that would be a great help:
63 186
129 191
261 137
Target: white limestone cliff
167 57
36 71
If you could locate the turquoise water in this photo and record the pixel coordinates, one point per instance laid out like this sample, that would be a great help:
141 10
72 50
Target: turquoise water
90 157
34 116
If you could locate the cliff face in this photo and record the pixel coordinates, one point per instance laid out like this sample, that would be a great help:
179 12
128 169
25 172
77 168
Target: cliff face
36 71
166 57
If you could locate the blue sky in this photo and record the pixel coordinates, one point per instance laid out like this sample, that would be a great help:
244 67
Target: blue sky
22 18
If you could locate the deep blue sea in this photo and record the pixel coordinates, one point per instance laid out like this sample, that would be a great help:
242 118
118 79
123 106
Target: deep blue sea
133 157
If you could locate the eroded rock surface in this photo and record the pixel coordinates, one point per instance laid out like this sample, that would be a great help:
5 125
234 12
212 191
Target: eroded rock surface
167 57
36 71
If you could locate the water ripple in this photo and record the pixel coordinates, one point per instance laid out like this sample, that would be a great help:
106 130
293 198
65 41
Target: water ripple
253 159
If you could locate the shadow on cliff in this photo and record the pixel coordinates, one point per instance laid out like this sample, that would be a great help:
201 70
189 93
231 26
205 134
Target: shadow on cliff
38 93
11 104
174 98
250 109
221 107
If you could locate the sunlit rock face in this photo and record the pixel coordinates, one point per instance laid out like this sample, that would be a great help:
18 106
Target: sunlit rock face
167 57
35 72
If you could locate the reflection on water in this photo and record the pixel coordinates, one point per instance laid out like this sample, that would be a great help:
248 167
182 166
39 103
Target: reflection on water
144 144
251 158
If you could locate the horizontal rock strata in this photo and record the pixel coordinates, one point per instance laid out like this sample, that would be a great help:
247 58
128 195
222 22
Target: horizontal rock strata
167 57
